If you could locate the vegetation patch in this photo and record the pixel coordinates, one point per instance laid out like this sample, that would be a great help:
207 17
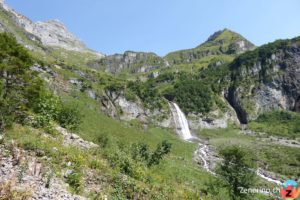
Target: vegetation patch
279 123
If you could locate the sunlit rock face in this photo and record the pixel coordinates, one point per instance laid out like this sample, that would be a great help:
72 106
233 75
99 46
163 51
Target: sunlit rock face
54 33
50 33
267 83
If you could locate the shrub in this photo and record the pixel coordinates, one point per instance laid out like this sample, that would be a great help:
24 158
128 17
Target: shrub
103 140
40 121
69 117
140 152
162 149
130 96
74 177
124 188
47 105
75 181
122 161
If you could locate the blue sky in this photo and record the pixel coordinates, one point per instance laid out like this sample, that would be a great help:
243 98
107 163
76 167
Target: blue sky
162 26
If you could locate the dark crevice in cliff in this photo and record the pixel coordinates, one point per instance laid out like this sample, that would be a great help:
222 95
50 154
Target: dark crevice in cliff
240 112
297 105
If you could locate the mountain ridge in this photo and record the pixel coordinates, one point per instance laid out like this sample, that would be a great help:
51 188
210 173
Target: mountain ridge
51 33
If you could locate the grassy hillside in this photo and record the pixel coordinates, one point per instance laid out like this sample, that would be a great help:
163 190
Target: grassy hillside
279 123
221 46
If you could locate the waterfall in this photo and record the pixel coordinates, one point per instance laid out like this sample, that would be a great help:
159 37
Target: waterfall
181 123
203 151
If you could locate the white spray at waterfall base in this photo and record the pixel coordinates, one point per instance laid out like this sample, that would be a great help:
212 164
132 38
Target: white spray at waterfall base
181 123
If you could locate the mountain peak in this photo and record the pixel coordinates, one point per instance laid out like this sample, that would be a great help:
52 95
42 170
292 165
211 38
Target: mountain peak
228 40
225 35
217 34
223 42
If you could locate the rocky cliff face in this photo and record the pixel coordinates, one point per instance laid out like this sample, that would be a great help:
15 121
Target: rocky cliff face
266 79
50 33
117 106
54 33
132 62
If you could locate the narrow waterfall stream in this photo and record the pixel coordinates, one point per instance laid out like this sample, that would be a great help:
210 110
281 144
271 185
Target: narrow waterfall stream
181 123
203 151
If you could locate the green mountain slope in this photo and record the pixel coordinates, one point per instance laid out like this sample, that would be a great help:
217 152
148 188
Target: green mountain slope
220 48
225 42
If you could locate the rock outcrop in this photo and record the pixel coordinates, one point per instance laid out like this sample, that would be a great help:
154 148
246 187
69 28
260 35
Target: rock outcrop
54 33
23 175
266 79
71 139
213 120
133 62
118 107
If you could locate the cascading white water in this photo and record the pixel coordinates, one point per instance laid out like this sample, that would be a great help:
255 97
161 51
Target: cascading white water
181 123
260 174
202 153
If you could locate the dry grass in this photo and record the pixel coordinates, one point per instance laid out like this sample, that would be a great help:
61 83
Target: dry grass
10 191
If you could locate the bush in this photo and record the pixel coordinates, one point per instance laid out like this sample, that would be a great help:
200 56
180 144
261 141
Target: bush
47 105
130 96
22 91
69 117
40 121
103 140
126 164
75 181
134 161
162 149
140 152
